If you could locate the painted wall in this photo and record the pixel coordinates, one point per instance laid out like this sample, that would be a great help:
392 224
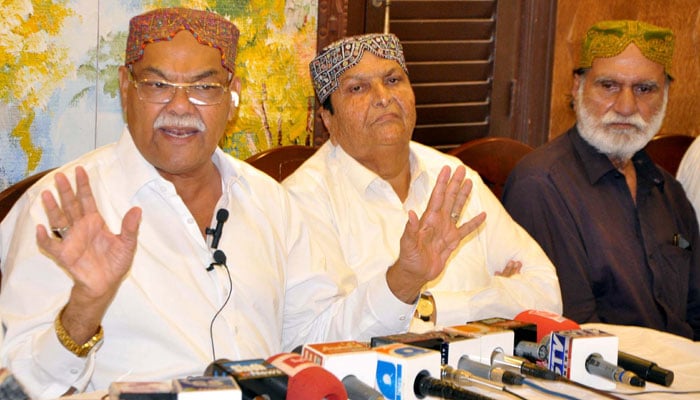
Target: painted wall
58 86
682 16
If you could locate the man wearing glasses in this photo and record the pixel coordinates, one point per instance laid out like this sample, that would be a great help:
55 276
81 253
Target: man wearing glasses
620 230
131 281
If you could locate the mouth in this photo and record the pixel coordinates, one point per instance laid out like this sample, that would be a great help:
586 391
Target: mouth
179 132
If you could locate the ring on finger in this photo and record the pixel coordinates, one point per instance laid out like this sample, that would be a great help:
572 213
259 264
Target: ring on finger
454 216
60 232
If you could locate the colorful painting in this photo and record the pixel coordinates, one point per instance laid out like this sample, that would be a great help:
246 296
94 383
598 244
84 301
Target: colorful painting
59 94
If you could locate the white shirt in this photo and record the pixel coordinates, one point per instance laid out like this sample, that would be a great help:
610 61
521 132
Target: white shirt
353 210
157 327
689 175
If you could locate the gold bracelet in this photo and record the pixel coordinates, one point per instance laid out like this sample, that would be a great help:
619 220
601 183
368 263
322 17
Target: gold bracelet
69 343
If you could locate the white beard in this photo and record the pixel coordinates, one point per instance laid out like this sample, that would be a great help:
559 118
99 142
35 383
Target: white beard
616 143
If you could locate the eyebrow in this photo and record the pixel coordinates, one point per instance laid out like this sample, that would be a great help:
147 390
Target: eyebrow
195 78
361 76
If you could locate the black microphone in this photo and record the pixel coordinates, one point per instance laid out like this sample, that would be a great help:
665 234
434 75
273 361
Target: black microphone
646 369
426 385
257 378
219 259
221 217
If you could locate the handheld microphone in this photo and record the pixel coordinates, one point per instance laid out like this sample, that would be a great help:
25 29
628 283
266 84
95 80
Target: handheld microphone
255 377
10 389
221 217
464 378
484 371
520 365
645 369
426 385
596 365
354 363
308 380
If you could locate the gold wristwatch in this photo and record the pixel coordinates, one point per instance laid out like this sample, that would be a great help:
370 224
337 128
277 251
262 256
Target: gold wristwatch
70 344
425 310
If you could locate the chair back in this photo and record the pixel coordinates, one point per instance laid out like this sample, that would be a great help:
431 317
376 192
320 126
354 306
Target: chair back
493 158
280 162
667 150
9 196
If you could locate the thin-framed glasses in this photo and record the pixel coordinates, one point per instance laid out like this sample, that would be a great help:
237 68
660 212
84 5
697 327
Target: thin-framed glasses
162 92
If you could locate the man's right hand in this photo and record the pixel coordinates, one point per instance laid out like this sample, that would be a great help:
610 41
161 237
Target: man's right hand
96 259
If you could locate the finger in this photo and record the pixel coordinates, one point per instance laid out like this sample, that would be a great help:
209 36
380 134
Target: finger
69 203
45 242
454 187
461 200
130 225
55 215
83 190
471 225
437 196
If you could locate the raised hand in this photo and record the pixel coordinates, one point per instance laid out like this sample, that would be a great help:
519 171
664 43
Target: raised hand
428 242
96 259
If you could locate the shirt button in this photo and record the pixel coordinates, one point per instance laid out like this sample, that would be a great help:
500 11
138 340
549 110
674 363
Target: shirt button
74 371
190 221
402 318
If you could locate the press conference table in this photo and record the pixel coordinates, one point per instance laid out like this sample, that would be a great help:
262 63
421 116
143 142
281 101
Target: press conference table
680 355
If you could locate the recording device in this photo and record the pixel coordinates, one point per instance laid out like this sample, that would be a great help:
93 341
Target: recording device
219 255
645 369
255 377
354 363
485 371
596 365
308 380
10 389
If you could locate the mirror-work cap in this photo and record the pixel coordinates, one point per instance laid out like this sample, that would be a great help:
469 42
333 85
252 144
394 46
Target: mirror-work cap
610 38
338 57
208 28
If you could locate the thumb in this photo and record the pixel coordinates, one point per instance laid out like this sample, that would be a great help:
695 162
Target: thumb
130 224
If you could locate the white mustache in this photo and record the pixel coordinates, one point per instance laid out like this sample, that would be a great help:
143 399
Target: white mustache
613 118
182 122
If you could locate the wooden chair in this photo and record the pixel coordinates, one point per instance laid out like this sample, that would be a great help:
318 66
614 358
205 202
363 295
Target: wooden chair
9 196
668 150
493 158
280 162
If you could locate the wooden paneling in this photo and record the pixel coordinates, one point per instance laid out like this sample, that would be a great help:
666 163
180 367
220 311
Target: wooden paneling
682 16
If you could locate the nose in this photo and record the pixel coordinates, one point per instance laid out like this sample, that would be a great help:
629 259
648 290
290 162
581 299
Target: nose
382 96
180 103
625 102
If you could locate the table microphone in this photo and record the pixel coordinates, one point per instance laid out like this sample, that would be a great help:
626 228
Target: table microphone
646 369
522 366
308 380
256 377
596 365
484 371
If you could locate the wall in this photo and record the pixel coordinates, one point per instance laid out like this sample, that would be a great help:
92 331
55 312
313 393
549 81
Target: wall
682 16
58 84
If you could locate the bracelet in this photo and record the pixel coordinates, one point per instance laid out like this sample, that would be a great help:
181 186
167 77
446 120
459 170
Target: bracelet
70 344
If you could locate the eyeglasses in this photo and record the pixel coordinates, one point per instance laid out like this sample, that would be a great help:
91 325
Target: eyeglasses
162 92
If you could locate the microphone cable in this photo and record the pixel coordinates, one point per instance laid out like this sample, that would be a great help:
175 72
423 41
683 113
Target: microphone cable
220 259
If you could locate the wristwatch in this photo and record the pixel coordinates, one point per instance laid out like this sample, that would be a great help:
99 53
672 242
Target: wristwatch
425 310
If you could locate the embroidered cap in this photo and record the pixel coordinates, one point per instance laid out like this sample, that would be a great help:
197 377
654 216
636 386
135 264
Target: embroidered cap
208 28
610 38
338 57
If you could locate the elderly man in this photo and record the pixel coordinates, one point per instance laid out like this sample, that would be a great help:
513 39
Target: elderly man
620 230
159 300
359 189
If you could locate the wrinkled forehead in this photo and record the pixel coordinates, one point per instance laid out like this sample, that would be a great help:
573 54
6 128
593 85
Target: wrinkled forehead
337 58
208 28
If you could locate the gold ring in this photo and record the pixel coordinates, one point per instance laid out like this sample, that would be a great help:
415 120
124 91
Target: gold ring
60 232
454 216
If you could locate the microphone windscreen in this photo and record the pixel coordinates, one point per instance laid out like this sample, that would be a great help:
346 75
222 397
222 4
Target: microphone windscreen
222 215
308 380
547 322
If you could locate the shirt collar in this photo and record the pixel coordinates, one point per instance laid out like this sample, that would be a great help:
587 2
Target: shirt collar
597 164
363 178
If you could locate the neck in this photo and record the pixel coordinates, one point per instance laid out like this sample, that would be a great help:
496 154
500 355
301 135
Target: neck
394 167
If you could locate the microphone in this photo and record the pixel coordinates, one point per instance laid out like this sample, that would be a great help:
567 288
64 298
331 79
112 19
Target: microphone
221 217
206 387
406 372
596 365
354 363
450 345
10 389
521 366
255 377
645 369
546 322
139 390
484 371
219 259
308 380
